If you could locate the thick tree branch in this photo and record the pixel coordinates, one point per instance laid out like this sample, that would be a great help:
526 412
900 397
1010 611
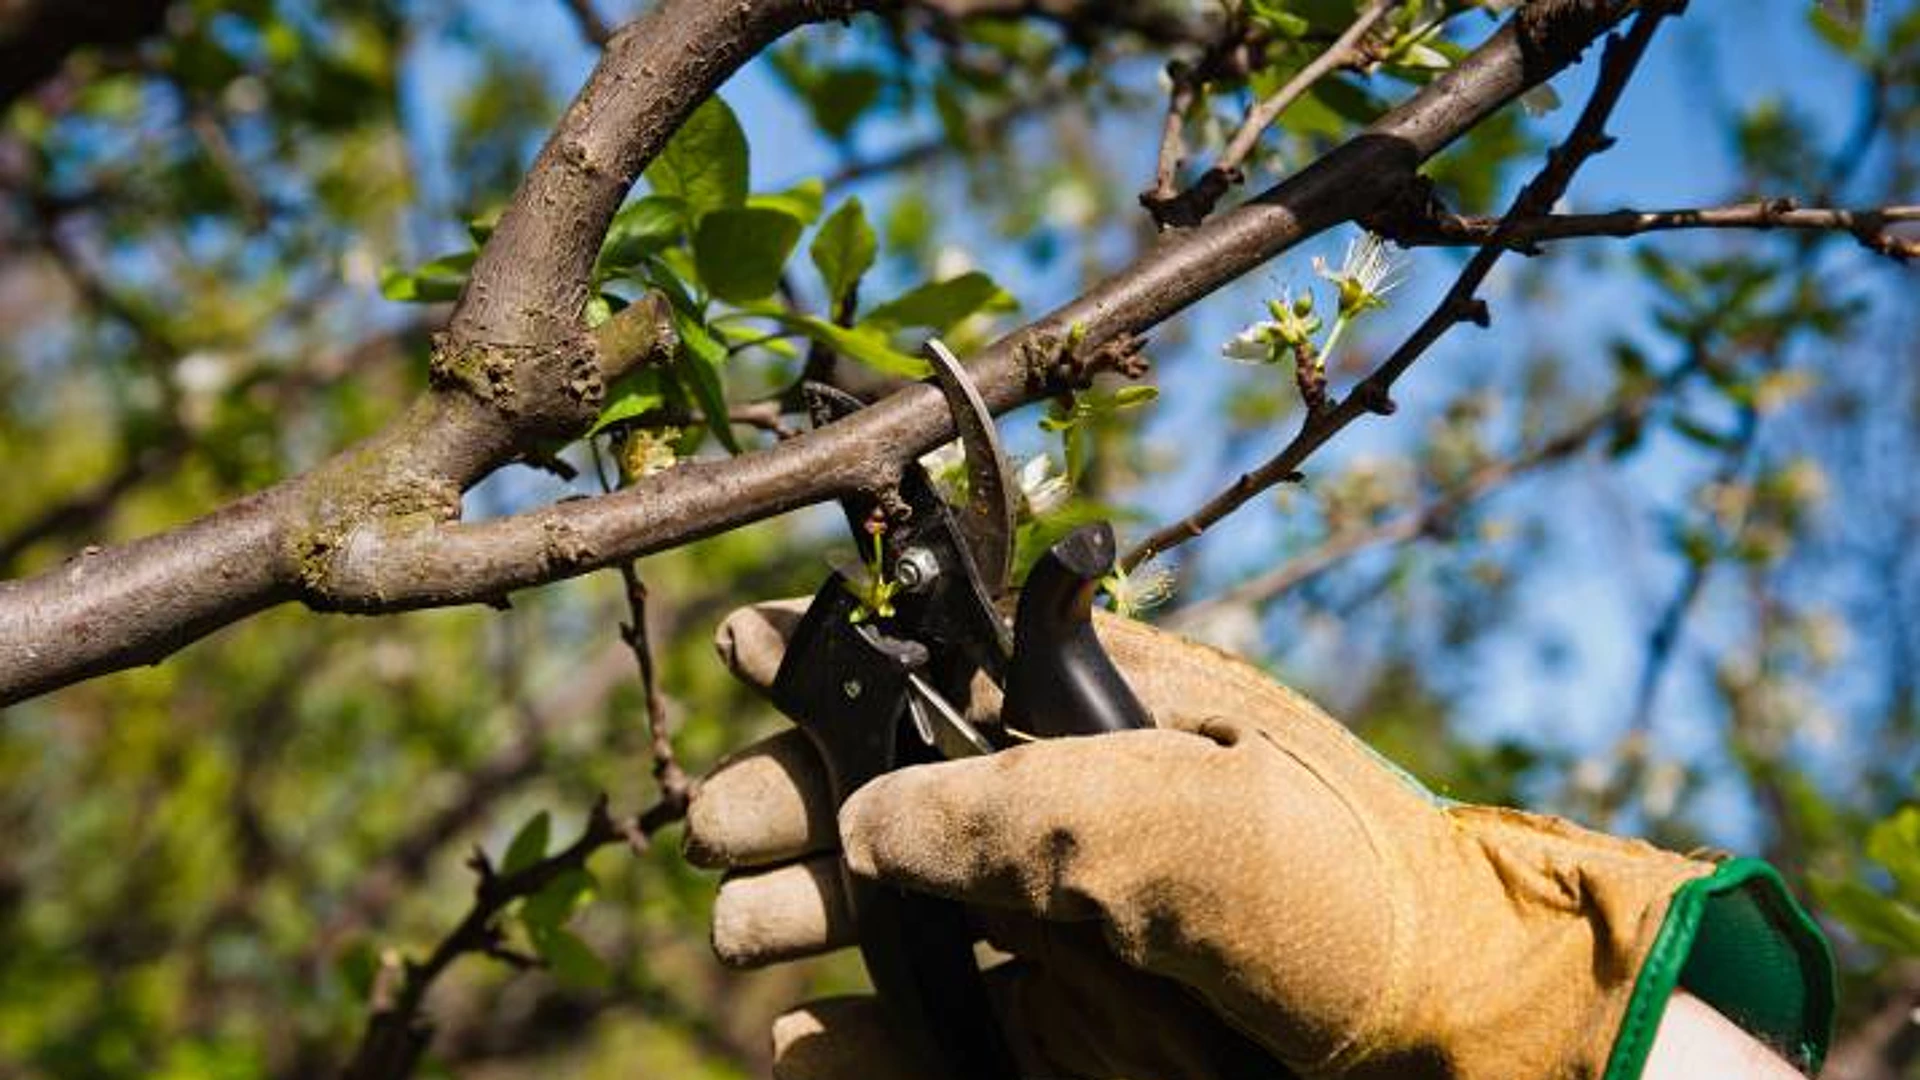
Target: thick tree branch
462 563
374 531
529 284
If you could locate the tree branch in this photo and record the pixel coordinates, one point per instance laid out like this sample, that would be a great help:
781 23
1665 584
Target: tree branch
1373 395
374 530
396 1036
1872 227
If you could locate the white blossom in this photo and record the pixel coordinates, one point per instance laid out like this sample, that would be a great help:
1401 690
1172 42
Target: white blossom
1367 274
1292 324
1042 490
1134 594
1252 344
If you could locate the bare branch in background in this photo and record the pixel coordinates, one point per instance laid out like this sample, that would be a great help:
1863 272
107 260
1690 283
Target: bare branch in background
1663 640
675 787
1873 228
1373 395
1437 512
396 1033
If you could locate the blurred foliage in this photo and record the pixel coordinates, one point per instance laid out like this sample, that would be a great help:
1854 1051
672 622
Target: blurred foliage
222 251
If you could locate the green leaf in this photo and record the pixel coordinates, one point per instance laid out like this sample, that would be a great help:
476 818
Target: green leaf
740 253
430 283
838 98
359 965
1878 919
1895 844
642 227
843 250
701 361
939 305
551 907
529 845
1277 18
571 961
632 394
670 271
1348 101
481 227
705 164
865 344
1844 33
803 200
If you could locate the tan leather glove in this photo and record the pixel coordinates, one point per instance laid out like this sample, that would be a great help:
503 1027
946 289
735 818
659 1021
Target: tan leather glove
1252 862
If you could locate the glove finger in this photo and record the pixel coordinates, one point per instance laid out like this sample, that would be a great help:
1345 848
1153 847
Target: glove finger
838 1039
769 916
766 804
753 640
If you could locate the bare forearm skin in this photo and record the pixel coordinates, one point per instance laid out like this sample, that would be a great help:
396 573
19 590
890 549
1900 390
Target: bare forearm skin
1695 1041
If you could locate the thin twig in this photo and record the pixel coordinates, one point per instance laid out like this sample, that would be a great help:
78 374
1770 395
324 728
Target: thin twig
1664 640
675 788
913 154
1870 226
1346 51
1173 143
396 1034
1172 208
1373 395
674 785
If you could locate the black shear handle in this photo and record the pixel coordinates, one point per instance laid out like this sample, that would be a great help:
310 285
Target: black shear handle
1060 681
846 687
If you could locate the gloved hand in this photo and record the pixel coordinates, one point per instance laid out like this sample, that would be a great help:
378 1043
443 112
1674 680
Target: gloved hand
1251 862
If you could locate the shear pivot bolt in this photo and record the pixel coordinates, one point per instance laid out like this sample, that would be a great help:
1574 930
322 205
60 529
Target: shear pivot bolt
916 569
851 688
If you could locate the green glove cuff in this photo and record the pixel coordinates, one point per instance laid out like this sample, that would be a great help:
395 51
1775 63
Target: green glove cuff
1737 940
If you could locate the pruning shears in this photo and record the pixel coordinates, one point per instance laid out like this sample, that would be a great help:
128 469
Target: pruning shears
879 690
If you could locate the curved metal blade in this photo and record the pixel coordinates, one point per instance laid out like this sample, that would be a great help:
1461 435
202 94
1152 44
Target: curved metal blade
988 519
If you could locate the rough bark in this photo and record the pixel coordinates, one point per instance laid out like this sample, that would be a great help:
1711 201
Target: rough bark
374 529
